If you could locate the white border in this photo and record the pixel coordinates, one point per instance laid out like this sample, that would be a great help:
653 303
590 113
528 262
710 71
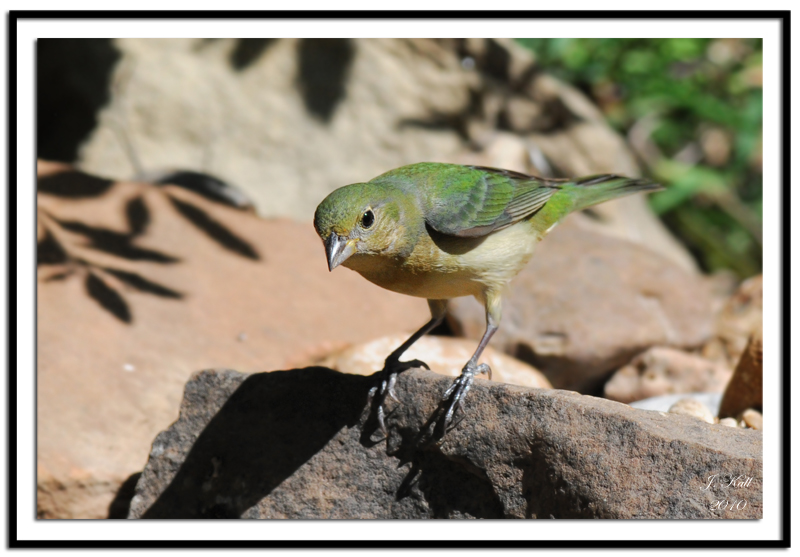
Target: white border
28 528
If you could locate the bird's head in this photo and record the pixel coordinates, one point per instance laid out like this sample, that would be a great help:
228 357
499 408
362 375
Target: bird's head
358 219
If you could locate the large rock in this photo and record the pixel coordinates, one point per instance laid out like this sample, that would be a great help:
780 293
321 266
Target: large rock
302 444
289 120
586 304
443 355
138 287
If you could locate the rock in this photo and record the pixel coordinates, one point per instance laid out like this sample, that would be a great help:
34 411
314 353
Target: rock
586 304
289 120
752 418
661 371
444 355
693 408
138 287
745 389
245 447
729 422
738 320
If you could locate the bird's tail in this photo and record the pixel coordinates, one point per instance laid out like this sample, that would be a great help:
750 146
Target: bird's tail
592 190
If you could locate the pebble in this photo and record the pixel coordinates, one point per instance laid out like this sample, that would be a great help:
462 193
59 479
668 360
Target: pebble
694 408
730 422
752 419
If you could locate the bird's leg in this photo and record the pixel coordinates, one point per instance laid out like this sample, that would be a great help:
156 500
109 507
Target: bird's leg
454 395
393 366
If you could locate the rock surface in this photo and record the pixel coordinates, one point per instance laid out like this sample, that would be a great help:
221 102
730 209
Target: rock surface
586 304
302 444
138 287
661 371
443 354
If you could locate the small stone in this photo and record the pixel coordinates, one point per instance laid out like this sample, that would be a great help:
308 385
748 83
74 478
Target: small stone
753 419
129 367
694 408
730 422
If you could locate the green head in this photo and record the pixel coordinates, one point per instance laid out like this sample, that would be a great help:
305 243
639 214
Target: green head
360 219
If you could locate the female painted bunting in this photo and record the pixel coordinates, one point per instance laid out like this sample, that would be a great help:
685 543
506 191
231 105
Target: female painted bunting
440 231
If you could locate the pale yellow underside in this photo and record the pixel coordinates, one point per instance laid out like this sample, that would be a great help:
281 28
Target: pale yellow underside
450 267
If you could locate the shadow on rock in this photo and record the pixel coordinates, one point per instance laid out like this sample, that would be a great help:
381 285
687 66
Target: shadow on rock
290 444
121 505
268 428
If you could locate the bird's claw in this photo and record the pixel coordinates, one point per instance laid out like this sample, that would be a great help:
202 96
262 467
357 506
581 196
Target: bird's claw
391 369
455 394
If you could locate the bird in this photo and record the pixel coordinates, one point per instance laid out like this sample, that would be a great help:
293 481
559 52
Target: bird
440 231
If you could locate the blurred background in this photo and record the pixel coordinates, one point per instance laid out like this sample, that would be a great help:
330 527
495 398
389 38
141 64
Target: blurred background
691 111
177 181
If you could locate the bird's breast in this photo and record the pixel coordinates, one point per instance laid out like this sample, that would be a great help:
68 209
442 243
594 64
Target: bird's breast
444 267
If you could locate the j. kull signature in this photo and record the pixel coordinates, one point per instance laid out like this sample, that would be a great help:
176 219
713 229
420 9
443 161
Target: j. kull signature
729 480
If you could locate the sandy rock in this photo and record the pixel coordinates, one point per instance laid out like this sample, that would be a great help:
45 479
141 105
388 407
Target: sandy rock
243 447
745 389
661 371
586 304
443 354
693 408
140 286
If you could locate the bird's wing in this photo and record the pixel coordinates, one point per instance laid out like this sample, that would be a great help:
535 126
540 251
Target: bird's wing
480 200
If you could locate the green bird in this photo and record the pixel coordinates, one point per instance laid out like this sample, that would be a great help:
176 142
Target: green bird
440 231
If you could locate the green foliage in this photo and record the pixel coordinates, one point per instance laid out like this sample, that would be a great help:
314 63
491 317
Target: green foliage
692 111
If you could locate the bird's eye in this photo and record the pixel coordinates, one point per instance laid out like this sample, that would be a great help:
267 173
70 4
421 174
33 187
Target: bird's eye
367 220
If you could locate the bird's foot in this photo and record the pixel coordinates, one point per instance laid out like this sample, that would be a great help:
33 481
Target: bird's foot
377 394
454 396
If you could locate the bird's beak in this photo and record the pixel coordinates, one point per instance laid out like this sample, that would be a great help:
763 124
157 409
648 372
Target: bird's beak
338 250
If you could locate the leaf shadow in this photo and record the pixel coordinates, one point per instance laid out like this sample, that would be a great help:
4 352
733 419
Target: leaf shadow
115 243
323 69
141 284
73 183
214 230
54 249
108 298
138 216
